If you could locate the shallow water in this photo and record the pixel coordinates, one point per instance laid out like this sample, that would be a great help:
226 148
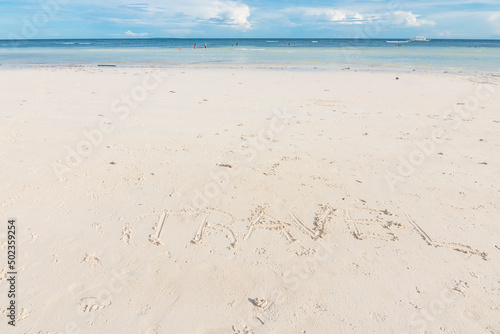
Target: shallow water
454 55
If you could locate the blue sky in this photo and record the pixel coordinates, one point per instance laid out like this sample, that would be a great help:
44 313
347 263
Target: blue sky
249 18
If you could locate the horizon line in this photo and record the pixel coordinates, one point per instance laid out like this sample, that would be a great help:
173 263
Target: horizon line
247 38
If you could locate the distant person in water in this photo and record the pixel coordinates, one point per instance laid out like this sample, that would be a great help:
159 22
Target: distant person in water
205 45
237 44
195 46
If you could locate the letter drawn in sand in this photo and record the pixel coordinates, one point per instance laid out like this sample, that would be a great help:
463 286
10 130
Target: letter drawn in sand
323 216
212 218
261 219
368 223
453 245
216 220
155 237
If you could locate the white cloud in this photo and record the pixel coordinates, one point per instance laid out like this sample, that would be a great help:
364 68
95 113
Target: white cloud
325 14
124 21
318 15
133 34
472 25
231 13
494 19
234 14
409 19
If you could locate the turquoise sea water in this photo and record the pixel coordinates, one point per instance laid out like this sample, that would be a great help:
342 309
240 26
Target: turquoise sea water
379 54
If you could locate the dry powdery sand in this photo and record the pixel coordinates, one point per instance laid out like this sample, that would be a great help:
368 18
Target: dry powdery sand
231 201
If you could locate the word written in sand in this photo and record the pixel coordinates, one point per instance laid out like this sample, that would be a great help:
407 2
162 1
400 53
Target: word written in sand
363 222
11 274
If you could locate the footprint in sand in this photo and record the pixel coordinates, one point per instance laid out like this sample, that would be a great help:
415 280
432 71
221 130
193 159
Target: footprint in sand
126 233
242 330
91 259
91 304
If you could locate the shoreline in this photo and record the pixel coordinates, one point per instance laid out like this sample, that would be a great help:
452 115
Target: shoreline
306 68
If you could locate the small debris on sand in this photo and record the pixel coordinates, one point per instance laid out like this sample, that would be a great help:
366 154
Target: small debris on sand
262 303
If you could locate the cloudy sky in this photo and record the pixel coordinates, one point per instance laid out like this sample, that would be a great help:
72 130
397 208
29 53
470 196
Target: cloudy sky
249 18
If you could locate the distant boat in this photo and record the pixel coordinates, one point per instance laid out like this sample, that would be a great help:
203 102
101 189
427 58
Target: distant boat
420 39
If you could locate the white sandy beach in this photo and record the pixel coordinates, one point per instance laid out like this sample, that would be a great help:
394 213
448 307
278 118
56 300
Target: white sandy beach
231 201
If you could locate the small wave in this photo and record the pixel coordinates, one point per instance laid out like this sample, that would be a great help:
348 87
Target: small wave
397 42
272 41
314 41
73 43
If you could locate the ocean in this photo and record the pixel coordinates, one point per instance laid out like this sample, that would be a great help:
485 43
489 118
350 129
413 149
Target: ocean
374 54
